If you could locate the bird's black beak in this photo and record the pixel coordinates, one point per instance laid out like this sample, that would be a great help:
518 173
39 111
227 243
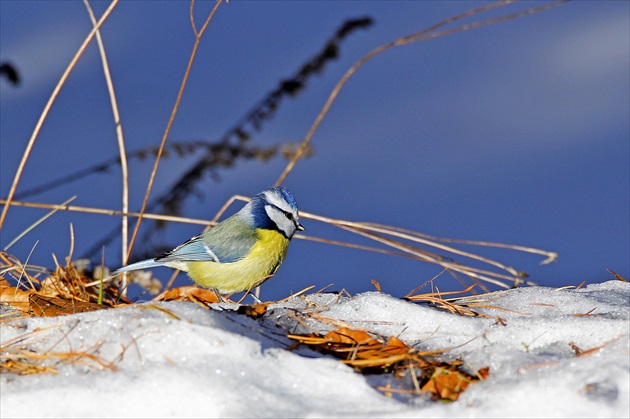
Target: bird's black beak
299 226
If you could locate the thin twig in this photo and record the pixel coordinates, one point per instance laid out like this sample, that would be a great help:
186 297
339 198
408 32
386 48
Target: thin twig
550 256
119 136
192 17
23 271
424 239
104 211
71 250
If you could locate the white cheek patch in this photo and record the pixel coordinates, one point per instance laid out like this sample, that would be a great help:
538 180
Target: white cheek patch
278 201
282 222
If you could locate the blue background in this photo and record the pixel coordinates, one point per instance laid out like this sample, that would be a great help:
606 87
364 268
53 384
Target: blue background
517 132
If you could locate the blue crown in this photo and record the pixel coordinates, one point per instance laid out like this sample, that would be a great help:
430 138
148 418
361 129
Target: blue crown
285 194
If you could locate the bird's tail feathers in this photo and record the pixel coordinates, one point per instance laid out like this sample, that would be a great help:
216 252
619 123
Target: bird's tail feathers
145 264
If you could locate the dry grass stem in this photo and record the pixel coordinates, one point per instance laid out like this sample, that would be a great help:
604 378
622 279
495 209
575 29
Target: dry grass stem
619 277
119 134
367 229
104 211
11 267
17 357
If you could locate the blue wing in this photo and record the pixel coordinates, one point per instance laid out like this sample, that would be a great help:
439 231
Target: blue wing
227 242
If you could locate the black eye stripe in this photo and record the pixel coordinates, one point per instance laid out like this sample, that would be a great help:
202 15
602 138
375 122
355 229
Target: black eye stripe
288 214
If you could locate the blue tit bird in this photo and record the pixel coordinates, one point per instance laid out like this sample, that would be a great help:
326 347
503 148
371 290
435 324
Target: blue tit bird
239 253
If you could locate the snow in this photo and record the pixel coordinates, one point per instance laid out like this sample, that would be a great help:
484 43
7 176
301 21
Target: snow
180 360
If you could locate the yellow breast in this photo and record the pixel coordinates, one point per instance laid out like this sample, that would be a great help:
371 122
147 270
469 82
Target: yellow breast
264 258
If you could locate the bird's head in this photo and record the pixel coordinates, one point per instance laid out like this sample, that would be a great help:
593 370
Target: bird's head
273 209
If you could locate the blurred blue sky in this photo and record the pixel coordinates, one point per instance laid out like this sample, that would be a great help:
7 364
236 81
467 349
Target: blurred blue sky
517 132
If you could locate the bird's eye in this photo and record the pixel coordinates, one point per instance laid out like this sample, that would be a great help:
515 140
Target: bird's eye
289 215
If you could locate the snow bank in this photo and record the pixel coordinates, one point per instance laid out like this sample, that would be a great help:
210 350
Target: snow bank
180 360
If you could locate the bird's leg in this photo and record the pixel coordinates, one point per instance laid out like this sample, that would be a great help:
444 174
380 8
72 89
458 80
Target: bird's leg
255 297
218 294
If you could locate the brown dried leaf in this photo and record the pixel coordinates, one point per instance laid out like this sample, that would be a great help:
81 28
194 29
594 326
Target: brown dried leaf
254 311
345 335
447 384
17 298
191 293
396 346
52 306
483 373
